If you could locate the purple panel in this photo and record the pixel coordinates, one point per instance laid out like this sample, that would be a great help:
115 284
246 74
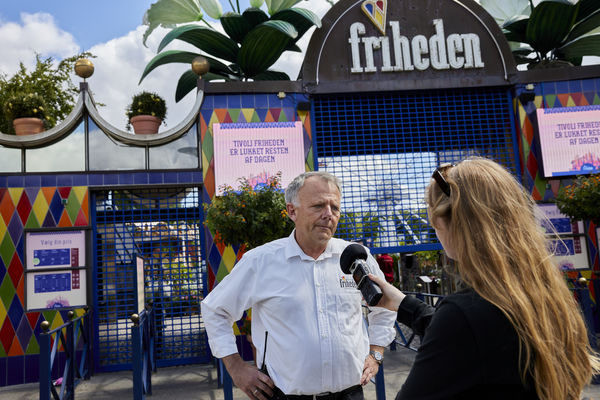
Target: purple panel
56 207
155 177
170 177
33 180
49 221
234 101
15 228
15 370
125 179
2 270
140 178
24 332
96 180
64 180
184 177
80 180
48 180
3 371
15 181
15 312
241 118
32 193
32 368
215 258
111 179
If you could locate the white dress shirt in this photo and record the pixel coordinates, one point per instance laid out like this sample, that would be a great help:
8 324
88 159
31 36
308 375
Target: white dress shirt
317 339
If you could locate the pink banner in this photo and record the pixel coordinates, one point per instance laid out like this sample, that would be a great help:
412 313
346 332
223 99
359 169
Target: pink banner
257 151
570 140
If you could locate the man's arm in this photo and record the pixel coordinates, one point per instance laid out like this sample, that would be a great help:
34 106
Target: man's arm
247 377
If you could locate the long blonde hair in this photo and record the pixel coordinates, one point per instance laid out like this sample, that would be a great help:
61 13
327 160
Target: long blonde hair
502 254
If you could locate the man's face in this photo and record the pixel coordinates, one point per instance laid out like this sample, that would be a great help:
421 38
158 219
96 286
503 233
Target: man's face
316 215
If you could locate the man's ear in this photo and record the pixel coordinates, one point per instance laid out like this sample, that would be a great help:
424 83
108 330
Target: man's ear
291 211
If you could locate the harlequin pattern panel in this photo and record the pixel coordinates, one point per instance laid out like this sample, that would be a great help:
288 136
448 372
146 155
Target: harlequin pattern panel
552 95
21 209
239 109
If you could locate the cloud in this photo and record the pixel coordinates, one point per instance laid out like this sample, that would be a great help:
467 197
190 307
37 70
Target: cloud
36 33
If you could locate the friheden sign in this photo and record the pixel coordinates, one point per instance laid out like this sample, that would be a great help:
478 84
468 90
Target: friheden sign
372 45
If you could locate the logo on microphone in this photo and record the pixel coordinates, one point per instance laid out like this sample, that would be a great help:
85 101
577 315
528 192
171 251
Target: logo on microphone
345 283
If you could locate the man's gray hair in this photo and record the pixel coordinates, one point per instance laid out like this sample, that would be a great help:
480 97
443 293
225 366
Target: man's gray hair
291 192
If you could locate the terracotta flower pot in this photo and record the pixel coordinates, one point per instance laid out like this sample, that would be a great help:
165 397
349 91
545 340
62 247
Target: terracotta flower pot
145 124
28 126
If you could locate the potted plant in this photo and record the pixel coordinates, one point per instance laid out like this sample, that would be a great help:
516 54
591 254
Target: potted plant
27 112
249 216
581 199
146 112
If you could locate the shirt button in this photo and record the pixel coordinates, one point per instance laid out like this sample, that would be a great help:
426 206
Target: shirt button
324 336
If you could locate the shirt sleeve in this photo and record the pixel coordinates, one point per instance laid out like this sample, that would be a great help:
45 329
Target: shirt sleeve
446 363
415 314
225 304
381 320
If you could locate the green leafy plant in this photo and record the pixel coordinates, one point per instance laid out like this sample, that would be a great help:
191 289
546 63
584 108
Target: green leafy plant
25 105
249 216
581 200
146 103
551 33
253 40
50 80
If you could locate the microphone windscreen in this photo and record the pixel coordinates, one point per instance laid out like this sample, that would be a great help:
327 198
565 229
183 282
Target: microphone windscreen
350 254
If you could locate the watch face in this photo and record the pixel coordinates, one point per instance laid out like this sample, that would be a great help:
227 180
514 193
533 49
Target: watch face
377 355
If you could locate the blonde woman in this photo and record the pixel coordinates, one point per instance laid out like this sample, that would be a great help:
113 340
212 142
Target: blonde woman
515 331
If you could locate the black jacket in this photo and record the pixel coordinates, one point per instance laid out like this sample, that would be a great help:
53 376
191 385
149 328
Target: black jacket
469 350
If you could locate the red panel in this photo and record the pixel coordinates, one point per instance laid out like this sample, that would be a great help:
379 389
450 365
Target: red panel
64 192
24 208
7 334
15 348
275 112
227 119
15 269
33 318
81 219
532 165
21 290
85 208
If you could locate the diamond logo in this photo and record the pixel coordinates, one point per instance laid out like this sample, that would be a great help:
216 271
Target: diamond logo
376 11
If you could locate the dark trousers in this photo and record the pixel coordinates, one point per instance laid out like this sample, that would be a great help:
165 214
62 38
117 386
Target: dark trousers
352 393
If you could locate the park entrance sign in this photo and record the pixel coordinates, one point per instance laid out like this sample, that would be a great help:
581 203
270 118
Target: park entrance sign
370 45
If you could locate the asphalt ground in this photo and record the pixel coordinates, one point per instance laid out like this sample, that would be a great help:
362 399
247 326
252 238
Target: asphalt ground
199 381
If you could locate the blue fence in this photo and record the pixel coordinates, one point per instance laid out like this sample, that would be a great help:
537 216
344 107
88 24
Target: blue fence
143 334
75 338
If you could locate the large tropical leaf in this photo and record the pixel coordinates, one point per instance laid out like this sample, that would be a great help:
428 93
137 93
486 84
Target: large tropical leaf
186 83
588 45
587 7
515 28
301 18
502 10
263 46
549 24
168 13
186 57
235 26
270 75
274 6
255 16
204 38
585 25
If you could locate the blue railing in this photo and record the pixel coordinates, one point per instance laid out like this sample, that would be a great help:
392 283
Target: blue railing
143 337
74 335
582 294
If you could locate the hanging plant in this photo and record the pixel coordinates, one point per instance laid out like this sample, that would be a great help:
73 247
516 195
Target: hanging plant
581 200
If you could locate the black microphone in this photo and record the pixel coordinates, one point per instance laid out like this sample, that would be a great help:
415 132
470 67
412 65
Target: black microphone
353 262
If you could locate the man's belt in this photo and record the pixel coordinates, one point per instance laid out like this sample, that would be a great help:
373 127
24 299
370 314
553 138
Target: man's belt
325 396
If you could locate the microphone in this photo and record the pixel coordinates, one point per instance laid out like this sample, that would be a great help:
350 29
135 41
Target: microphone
353 262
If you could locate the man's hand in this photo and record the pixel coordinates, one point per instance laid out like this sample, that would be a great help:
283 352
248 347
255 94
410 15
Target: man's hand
248 378
369 370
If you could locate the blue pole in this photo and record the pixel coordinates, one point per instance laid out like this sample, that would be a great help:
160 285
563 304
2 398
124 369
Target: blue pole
380 384
138 390
45 367
71 359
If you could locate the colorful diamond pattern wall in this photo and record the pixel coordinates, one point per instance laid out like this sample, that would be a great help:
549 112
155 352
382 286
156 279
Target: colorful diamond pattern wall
228 108
551 95
21 209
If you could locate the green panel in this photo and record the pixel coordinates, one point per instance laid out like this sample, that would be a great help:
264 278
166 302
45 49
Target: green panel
2 351
222 273
234 113
255 117
550 100
7 249
33 347
7 291
32 222
73 206
596 99
207 146
310 160
282 116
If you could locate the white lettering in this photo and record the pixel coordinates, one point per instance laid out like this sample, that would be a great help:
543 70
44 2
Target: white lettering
455 45
419 48
437 46
356 29
371 42
401 54
472 51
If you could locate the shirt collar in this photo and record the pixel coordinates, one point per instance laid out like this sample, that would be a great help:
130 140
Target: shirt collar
293 249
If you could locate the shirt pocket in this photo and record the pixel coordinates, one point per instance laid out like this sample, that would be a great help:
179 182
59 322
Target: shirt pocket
349 313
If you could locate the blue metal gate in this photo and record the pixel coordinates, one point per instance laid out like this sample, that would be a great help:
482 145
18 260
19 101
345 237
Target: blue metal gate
163 226
385 146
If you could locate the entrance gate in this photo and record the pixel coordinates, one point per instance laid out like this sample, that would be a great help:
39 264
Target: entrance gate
163 226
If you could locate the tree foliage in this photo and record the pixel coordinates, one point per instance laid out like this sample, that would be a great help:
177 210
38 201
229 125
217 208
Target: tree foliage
50 80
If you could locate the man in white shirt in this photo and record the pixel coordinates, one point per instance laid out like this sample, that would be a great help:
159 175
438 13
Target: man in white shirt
317 341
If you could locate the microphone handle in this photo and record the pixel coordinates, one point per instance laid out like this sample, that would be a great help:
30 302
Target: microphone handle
370 290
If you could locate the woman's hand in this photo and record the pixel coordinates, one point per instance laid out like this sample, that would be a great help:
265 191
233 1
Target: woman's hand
392 297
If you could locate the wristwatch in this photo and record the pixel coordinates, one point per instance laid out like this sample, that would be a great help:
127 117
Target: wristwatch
377 356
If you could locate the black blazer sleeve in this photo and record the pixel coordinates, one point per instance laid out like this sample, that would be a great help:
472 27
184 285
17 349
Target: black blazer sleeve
415 314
